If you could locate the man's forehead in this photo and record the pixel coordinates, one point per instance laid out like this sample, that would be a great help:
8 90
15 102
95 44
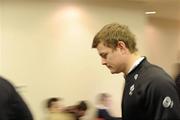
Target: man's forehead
101 46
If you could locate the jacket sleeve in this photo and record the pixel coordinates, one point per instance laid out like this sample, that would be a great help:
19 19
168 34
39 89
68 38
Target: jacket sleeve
162 100
102 113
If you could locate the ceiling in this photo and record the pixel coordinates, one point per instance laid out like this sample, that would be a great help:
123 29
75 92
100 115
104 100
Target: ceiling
169 9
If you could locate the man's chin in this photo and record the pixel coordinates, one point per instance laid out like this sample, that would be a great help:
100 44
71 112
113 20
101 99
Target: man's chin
114 72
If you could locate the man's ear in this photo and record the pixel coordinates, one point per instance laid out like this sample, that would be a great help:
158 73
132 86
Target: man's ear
121 45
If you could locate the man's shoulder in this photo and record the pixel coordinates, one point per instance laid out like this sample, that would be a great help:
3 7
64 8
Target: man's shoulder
5 85
4 81
153 75
155 72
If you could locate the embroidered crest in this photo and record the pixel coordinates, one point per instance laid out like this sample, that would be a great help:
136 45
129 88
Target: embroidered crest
167 102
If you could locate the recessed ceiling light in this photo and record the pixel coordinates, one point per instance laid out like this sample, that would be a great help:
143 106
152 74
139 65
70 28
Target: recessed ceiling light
150 12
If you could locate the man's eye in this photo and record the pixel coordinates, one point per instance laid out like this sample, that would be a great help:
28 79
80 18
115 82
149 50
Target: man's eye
103 55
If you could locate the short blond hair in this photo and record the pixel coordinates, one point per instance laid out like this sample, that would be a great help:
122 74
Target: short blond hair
110 34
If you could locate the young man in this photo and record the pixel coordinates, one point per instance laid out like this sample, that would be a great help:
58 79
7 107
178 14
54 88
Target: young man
12 106
149 92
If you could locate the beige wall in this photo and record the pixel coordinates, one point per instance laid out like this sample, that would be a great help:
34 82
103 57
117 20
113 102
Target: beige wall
46 48
0 35
162 42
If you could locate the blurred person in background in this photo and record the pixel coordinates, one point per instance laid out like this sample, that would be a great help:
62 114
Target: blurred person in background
55 110
177 73
54 105
12 106
177 77
103 108
78 110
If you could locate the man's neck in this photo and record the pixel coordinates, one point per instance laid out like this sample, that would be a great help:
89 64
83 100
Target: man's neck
132 59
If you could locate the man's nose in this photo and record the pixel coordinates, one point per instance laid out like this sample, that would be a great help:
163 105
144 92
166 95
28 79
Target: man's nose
103 61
